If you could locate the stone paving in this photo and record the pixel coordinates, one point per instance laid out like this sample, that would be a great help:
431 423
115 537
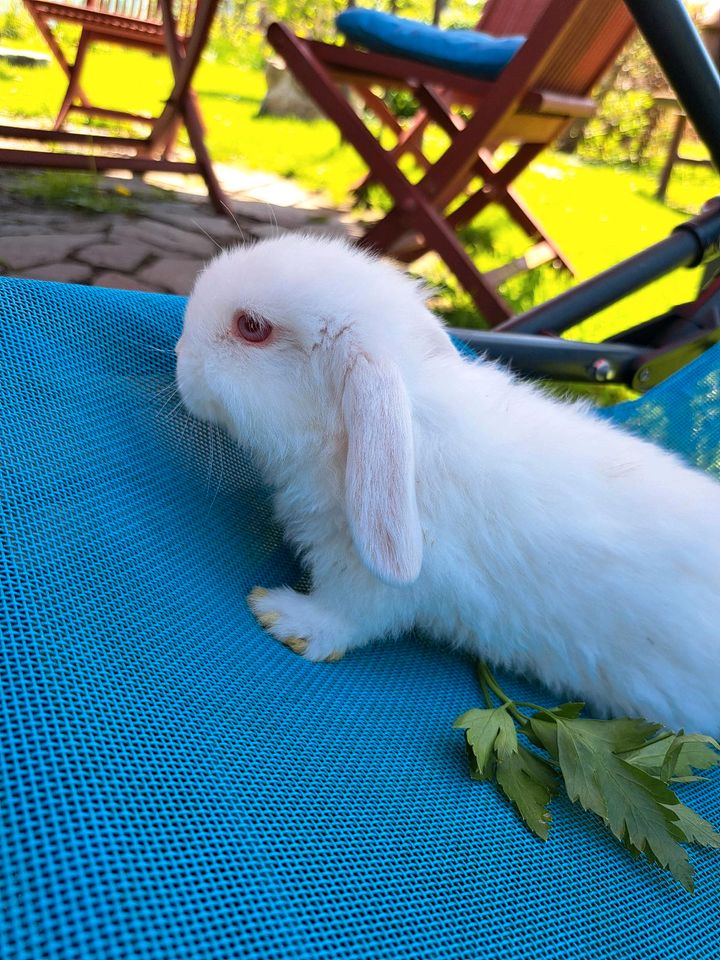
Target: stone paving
168 233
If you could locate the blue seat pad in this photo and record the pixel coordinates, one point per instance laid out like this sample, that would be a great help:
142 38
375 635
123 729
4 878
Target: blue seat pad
468 52
178 786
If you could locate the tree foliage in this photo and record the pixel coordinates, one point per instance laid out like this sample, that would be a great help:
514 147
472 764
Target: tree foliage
636 116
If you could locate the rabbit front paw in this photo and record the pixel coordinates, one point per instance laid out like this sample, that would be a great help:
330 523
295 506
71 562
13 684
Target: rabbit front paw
299 623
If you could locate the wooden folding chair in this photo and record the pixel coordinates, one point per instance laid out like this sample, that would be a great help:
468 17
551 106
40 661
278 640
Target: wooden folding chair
545 86
500 18
179 28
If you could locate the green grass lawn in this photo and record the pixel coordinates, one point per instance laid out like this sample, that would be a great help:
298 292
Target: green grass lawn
597 214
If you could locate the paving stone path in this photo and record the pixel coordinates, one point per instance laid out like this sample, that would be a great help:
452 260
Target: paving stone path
165 238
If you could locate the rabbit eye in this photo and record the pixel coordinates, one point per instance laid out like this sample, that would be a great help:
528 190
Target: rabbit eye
250 328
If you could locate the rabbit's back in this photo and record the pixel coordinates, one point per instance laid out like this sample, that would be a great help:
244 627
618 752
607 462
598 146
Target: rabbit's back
555 538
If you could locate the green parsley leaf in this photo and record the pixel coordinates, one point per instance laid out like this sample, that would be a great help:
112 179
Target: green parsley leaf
529 782
637 807
618 769
691 751
616 735
567 710
494 752
482 728
695 828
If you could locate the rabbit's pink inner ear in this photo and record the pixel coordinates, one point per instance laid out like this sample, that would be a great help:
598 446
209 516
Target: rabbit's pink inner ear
380 471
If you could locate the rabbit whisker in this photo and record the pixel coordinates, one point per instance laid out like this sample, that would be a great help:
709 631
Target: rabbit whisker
166 393
188 419
172 396
168 400
172 385
178 406
166 351
235 221
220 477
203 230
274 219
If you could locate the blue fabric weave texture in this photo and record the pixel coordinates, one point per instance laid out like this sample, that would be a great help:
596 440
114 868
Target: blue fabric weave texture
177 786
468 52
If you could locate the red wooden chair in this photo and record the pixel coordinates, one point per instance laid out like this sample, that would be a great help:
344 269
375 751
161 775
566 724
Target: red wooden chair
545 86
179 28
499 19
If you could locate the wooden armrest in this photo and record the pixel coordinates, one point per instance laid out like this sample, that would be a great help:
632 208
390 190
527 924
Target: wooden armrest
380 66
558 104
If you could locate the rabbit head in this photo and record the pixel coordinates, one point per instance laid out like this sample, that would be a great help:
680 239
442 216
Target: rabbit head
301 343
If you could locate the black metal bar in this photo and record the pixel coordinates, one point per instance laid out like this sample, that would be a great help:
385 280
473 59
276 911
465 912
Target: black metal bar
688 244
670 33
593 295
672 37
557 359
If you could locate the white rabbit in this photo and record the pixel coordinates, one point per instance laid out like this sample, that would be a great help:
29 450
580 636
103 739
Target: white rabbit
428 490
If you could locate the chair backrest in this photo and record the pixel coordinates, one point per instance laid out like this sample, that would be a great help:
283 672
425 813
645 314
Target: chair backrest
145 10
504 18
548 81
132 11
596 33
149 11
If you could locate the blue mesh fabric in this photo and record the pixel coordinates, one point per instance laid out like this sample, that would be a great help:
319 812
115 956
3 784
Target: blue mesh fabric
176 784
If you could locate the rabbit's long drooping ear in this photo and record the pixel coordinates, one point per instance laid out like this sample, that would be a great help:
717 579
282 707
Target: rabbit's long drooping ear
380 471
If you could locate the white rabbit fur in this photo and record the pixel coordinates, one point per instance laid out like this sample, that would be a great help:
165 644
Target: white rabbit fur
432 491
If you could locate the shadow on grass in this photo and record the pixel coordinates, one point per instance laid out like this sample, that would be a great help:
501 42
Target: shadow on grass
89 192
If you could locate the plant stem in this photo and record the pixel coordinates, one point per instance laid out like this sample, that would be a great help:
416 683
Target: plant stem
485 691
488 681
531 706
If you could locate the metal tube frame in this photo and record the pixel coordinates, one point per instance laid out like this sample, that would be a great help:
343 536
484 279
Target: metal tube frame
688 245
639 356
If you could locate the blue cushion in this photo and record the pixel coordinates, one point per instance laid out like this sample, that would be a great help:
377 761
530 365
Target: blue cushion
178 785
463 51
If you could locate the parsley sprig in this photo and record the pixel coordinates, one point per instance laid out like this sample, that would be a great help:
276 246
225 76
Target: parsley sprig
621 770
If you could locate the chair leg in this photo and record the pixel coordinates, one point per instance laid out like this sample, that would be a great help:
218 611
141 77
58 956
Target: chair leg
486 170
385 234
388 233
438 111
496 189
521 215
409 138
169 145
165 146
73 81
194 127
673 152
57 52
182 104
183 59
435 235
